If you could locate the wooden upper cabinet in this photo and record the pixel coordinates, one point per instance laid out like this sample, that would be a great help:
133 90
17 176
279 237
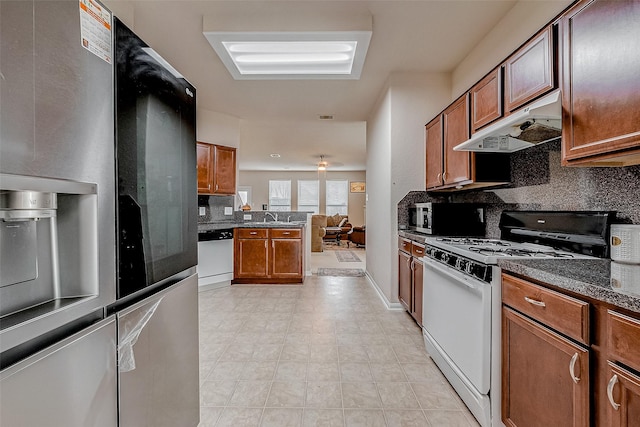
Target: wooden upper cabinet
486 100
530 71
600 53
457 164
204 155
216 169
433 141
224 170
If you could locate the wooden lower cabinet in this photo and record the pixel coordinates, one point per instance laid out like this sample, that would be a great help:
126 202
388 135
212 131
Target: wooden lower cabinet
404 279
268 255
623 394
542 332
545 376
286 258
410 271
251 254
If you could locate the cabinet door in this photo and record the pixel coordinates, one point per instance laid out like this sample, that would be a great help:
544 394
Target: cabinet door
224 170
545 377
404 279
529 72
623 394
601 82
251 258
486 100
457 164
204 154
417 274
286 258
433 141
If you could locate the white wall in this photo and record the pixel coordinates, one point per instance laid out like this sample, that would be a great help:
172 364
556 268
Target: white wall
395 164
218 128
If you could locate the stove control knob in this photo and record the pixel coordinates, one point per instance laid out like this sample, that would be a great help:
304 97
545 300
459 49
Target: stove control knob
469 268
460 264
444 257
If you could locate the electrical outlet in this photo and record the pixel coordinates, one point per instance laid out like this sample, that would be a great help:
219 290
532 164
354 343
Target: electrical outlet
202 211
246 217
228 210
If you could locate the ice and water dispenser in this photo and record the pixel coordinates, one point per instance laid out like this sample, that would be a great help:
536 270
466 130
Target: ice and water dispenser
48 246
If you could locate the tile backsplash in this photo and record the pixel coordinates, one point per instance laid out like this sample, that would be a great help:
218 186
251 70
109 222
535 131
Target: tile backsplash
214 208
539 182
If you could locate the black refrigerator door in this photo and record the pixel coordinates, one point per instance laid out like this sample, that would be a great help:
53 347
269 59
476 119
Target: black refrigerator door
156 166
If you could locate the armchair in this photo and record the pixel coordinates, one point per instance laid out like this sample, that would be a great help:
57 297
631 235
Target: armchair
318 231
357 236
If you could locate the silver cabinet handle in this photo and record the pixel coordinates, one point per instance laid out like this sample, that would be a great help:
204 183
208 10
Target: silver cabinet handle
612 383
535 302
572 366
253 232
286 233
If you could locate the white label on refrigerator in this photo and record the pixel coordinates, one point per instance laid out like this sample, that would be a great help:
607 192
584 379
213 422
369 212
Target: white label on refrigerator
95 29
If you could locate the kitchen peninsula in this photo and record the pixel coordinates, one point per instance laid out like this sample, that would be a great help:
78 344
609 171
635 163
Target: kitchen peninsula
264 250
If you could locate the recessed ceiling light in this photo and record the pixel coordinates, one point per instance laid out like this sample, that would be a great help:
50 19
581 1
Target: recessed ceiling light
275 155
337 50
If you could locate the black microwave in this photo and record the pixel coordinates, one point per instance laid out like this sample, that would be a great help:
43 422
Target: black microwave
447 219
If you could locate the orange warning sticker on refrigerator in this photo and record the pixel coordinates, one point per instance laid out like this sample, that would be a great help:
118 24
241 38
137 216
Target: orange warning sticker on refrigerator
95 29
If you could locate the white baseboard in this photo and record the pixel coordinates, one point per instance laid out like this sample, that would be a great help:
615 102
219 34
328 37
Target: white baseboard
395 306
214 282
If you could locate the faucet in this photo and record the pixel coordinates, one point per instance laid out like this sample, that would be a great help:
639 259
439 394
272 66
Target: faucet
274 216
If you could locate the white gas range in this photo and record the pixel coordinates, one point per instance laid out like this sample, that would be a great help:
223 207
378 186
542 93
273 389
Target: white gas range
462 294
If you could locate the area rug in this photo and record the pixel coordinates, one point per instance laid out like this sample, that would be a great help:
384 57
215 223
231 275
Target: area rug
347 256
343 272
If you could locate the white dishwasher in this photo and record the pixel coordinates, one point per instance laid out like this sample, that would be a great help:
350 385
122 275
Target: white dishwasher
215 258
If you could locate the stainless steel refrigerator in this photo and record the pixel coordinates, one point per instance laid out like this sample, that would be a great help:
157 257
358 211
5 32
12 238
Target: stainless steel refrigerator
76 349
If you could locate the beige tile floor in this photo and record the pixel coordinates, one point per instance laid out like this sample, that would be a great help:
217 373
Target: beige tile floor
325 353
327 258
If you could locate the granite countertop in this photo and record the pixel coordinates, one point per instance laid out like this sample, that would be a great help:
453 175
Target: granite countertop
588 277
228 224
416 237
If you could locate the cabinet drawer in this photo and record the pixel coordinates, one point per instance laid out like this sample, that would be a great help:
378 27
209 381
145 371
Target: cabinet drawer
404 245
288 233
560 312
623 338
252 233
417 249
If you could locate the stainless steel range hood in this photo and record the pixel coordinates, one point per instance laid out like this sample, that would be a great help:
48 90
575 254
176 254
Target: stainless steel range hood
535 124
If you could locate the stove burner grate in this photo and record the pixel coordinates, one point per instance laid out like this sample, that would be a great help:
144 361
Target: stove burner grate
520 252
470 241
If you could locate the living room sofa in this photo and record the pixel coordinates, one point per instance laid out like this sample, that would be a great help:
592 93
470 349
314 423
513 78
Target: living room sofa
341 221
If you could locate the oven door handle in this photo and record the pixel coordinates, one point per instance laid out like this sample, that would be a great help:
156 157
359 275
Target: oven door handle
459 278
